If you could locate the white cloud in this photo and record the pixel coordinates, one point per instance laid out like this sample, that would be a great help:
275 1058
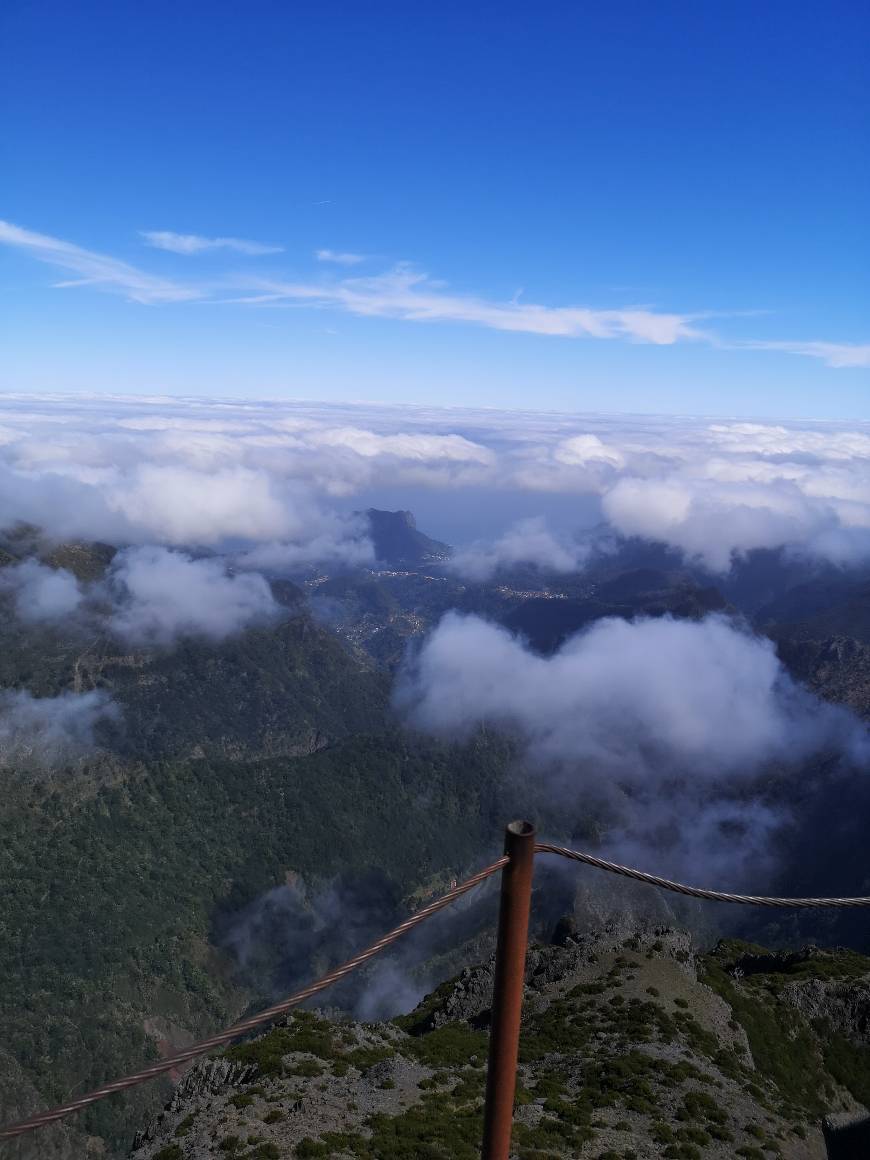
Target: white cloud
324 549
45 732
527 542
94 269
41 593
339 257
336 539
776 440
669 731
399 293
712 521
582 450
403 445
834 354
633 699
177 504
412 296
162 594
195 244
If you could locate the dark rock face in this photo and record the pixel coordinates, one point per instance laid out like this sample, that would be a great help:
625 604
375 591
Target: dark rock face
843 1005
201 1082
399 544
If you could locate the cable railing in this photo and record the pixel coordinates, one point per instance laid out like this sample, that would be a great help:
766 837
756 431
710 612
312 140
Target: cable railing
269 1015
697 891
517 866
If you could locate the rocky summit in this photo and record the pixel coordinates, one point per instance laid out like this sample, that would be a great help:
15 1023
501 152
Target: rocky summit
632 1048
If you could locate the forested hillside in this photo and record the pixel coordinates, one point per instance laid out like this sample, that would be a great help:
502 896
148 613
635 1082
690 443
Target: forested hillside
133 870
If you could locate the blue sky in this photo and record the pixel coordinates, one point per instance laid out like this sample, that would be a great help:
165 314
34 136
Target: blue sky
630 207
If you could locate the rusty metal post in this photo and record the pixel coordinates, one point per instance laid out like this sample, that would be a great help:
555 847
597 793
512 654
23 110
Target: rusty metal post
507 991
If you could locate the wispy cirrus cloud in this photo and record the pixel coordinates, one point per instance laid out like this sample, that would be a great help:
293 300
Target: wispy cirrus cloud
401 293
94 269
339 257
413 296
196 244
834 354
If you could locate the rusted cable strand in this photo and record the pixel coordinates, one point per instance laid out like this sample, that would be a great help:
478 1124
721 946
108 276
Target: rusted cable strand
695 891
267 1016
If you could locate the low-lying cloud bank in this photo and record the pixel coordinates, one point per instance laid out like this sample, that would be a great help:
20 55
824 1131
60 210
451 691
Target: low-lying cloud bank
292 932
161 595
635 700
41 593
528 542
277 482
43 733
667 725
150 595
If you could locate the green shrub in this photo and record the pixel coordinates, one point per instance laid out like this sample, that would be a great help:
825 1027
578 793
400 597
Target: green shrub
848 1064
185 1126
306 1069
450 1046
307 1148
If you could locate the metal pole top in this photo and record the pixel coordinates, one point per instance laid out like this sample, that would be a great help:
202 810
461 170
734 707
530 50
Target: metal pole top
520 829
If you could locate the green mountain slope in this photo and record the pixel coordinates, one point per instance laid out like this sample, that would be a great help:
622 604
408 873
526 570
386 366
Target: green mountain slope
110 891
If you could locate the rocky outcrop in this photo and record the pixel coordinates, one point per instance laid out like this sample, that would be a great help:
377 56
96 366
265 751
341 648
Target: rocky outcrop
201 1082
629 1047
842 1004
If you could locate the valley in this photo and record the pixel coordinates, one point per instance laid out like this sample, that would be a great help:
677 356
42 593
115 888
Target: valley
275 756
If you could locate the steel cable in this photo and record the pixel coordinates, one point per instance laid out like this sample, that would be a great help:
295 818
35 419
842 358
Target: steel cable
266 1016
694 891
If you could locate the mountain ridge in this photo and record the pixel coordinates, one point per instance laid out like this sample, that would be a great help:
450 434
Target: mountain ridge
633 1045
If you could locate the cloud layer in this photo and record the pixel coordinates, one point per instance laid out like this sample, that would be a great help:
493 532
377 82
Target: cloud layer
283 479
